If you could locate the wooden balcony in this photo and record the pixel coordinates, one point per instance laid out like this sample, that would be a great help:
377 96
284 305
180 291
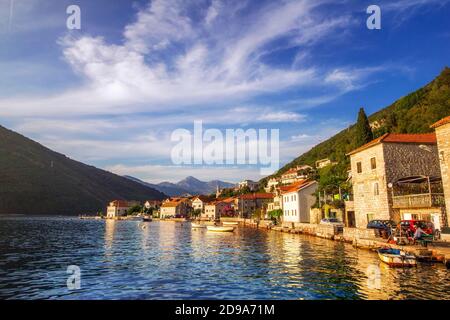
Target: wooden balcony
425 200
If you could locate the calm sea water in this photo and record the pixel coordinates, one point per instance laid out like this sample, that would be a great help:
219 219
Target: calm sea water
168 260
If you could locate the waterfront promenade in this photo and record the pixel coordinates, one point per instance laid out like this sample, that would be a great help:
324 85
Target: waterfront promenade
438 251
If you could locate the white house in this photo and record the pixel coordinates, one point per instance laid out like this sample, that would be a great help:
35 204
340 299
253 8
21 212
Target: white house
298 199
199 202
119 208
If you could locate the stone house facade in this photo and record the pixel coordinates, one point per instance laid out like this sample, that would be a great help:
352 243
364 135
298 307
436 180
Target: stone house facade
214 210
378 164
442 128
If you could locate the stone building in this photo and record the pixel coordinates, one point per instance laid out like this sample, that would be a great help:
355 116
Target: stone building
245 205
214 210
175 208
385 165
118 208
442 128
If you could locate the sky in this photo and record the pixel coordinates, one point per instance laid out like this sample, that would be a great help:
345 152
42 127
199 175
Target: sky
112 93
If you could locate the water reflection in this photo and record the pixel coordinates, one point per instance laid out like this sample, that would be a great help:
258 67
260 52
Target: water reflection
168 260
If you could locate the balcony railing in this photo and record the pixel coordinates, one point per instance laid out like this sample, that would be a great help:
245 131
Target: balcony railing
425 200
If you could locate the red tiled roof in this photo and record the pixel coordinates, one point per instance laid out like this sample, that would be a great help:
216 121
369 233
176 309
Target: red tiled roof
253 196
441 122
292 185
171 204
290 171
296 186
203 198
422 138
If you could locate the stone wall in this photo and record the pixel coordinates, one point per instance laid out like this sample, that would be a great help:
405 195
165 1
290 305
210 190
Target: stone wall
443 139
350 234
320 230
408 159
366 202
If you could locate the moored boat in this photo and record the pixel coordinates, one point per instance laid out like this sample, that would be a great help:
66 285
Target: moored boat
220 228
396 258
230 223
197 225
146 218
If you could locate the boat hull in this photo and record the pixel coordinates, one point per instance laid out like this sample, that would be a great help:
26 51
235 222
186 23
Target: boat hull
196 225
397 260
230 223
220 229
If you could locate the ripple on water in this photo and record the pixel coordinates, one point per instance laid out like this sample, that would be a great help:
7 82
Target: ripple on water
120 260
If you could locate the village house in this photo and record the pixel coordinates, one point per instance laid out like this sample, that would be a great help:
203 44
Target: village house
175 207
152 204
198 202
247 204
297 199
397 176
295 174
276 204
214 210
252 185
272 184
118 208
323 163
442 128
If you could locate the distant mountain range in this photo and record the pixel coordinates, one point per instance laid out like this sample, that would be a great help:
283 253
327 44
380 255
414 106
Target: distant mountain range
189 185
37 180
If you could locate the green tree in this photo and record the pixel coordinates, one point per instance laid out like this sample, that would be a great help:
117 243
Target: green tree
134 209
363 131
391 122
196 213
275 215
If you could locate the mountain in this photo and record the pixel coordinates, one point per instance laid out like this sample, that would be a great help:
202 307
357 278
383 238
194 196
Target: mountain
165 187
413 113
189 185
37 180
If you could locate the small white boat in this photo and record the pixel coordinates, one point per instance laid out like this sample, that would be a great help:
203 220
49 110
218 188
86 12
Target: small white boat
220 229
230 223
197 225
396 258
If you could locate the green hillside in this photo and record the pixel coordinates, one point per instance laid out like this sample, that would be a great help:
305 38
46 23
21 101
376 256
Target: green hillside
37 180
413 113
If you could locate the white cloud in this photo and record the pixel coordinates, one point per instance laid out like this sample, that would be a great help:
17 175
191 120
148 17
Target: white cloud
281 116
222 63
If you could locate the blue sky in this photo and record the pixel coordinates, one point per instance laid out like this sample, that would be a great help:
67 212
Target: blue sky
112 93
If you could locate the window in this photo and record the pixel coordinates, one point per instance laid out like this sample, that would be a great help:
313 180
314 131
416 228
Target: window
373 163
376 190
370 217
359 167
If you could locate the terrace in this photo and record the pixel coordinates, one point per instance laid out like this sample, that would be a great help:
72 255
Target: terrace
417 192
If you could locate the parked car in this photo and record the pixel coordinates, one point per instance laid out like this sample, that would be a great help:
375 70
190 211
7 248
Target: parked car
383 227
332 221
410 226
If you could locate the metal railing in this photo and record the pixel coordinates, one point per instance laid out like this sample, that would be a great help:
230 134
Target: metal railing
425 200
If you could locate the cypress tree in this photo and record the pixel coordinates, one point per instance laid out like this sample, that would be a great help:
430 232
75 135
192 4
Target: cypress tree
363 131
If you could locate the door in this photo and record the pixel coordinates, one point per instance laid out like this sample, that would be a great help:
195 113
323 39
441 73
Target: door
436 219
